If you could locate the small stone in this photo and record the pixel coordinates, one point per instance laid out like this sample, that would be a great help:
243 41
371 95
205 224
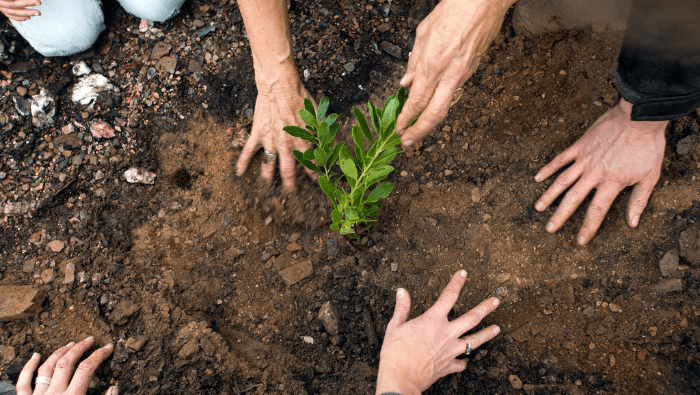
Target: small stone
56 245
166 64
266 255
189 349
670 285
7 354
615 308
307 339
239 231
101 130
391 49
332 248
294 237
669 263
689 241
599 28
349 67
233 253
653 331
17 302
69 273
293 247
135 343
135 175
476 195
80 69
384 27
160 49
685 145
502 277
22 91
296 273
501 291
683 323
394 266
328 315
28 266
515 382
588 311
48 275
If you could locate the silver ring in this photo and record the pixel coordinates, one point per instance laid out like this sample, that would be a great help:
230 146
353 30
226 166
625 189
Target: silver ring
269 157
469 347
43 380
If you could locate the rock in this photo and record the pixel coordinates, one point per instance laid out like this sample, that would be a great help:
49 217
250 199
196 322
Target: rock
670 285
414 189
296 273
615 308
22 91
28 266
394 266
233 253
123 312
599 28
502 277
685 145
332 248
7 354
166 64
307 339
476 195
349 67
203 32
189 349
391 49
22 105
669 263
239 231
69 273
160 49
56 245
80 69
101 130
135 343
48 275
89 87
384 27
293 247
136 175
515 382
266 255
17 302
294 237
43 109
588 311
690 244
329 317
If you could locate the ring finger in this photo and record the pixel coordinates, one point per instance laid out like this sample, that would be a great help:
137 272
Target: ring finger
48 367
475 340
269 162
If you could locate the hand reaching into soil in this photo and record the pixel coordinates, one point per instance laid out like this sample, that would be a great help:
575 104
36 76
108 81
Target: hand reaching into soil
418 352
449 45
17 9
58 371
613 154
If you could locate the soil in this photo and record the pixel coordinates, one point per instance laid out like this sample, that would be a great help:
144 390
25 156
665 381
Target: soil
184 276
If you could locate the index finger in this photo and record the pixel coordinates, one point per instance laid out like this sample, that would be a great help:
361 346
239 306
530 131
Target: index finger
86 369
418 98
435 112
450 294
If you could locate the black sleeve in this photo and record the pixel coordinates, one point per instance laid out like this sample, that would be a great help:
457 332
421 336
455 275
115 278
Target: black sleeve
658 70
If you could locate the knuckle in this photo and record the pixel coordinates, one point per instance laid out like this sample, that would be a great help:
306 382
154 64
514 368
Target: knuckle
85 366
596 211
571 197
640 203
472 319
564 180
63 362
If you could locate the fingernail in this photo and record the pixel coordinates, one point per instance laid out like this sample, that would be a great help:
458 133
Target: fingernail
108 346
36 354
403 80
35 14
550 227
408 143
115 390
581 240
635 221
89 338
538 177
71 344
496 330
496 302
539 206
400 293
463 273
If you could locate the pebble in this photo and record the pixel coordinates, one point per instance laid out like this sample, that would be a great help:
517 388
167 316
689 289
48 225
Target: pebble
476 195
394 266
160 49
69 273
664 286
384 27
293 247
266 255
599 28
515 382
48 275
669 263
349 67
690 244
166 64
328 315
391 49
332 248
294 237
502 277
17 302
141 176
81 69
101 130
22 91
307 339
296 273
615 308
56 245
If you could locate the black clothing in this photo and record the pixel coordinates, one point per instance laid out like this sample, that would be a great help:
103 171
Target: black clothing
658 70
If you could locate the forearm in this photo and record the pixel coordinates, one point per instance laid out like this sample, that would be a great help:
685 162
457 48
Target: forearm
267 25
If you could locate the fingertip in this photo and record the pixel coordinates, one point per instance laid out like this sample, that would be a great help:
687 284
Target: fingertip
496 330
109 347
538 177
496 302
400 293
551 227
408 143
634 222
463 273
539 206
581 240
404 80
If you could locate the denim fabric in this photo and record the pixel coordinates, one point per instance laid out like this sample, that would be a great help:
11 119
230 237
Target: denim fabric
153 10
658 70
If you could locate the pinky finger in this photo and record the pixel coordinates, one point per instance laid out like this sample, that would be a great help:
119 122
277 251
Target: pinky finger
455 366
638 201
24 382
112 391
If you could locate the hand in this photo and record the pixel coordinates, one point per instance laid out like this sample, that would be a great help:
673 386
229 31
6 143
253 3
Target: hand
17 9
613 154
418 352
59 367
449 45
277 106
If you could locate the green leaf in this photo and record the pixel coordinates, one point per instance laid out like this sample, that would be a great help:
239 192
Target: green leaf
309 154
380 192
357 195
360 158
327 188
334 155
322 108
377 174
357 136
321 157
347 165
300 133
374 118
347 231
334 226
307 163
344 153
388 129
389 111
331 119
308 117
363 123
336 216
401 96
309 107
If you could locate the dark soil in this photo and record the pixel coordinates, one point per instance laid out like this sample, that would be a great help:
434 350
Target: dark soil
182 275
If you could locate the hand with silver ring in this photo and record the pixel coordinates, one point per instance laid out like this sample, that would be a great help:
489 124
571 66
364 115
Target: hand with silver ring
416 353
55 376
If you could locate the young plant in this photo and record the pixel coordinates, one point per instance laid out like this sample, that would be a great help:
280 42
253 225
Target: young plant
352 204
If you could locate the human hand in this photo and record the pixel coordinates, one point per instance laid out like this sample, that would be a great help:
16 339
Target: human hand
449 44
59 369
277 105
418 352
613 154
17 9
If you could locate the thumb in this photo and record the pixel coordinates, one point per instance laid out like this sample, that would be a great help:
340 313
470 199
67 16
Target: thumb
401 311
112 391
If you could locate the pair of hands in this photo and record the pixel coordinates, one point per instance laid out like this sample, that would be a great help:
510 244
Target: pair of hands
418 352
18 9
59 367
613 154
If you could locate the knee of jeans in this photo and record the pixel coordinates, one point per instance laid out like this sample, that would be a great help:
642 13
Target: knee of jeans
154 10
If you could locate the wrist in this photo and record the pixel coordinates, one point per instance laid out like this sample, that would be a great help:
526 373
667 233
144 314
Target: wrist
652 128
393 380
